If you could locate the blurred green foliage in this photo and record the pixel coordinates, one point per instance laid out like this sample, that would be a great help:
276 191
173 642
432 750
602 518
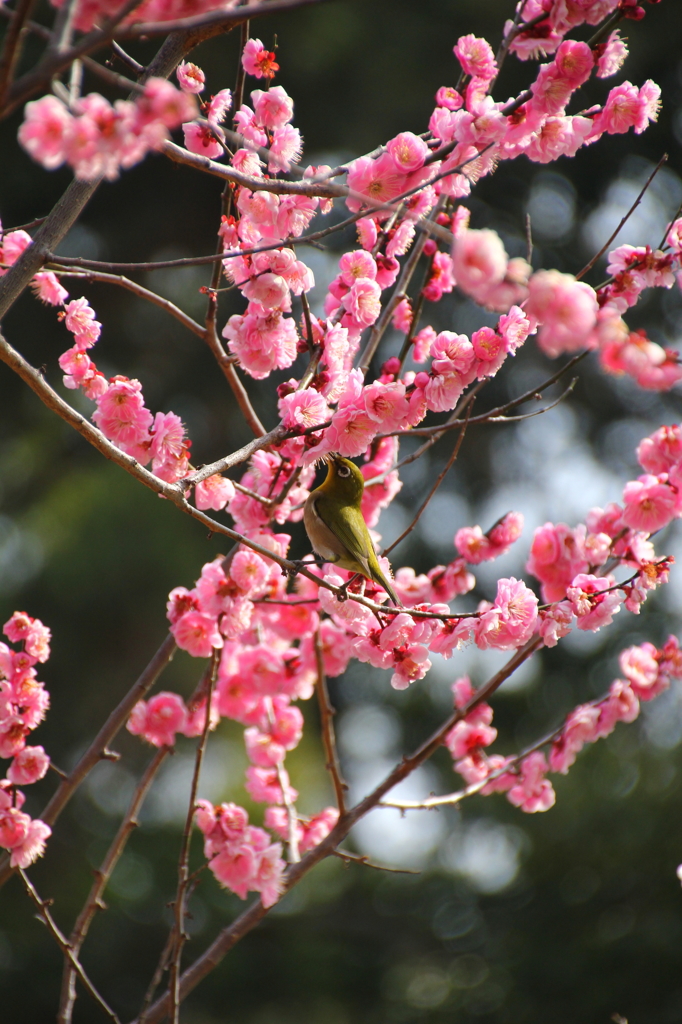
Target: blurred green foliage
590 920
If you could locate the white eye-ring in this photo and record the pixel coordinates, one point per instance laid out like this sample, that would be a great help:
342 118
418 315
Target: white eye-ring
343 471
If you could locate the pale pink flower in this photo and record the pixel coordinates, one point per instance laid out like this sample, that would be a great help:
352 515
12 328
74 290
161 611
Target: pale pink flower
121 413
258 61
411 662
218 107
249 571
593 607
262 344
33 846
557 135
378 180
14 826
465 737
190 77
650 504
511 620
386 404
80 320
363 301
263 785
565 308
581 727
408 151
215 492
473 545
273 108
47 288
640 667
158 720
533 791
245 122
441 280
476 57
422 342
303 409
448 97
402 316
479 260
35 635
286 149
628 107
161 101
351 432
197 633
612 55
200 139
270 291
367 232
45 130
662 450
29 765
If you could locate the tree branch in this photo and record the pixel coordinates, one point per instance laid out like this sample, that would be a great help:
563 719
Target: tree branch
102 876
327 713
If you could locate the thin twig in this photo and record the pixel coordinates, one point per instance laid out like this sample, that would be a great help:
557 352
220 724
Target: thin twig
102 876
12 45
436 484
327 713
360 858
623 220
136 289
183 861
43 907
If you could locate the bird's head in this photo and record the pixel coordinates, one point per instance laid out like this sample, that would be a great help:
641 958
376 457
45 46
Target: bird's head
344 480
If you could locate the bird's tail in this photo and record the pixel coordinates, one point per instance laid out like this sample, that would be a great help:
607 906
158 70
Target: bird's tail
378 577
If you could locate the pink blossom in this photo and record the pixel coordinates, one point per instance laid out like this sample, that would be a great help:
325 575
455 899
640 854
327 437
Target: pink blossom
45 130
29 765
465 737
190 77
640 667
303 409
565 308
662 450
197 633
476 57
473 545
351 432
386 404
402 316
161 101
593 607
258 61
378 180
628 107
479 260
650 504
262 344
273 108
158 720
533 792
285 149
422 343
47 288
263 785
14 827
581 727
35 635
218 107
214 492
612 55
121 414
363 301
249 571
80 320
33 846
408 151
449 98
200 139
441 281
411 662
511 620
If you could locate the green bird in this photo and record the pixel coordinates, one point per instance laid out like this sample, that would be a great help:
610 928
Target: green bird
336 526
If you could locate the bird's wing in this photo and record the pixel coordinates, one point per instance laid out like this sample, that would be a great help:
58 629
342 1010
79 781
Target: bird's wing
349 526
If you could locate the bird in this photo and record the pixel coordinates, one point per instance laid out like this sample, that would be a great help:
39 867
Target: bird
336 527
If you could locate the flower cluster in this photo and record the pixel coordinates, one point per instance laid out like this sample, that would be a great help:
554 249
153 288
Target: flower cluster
23 703
647 671
96 138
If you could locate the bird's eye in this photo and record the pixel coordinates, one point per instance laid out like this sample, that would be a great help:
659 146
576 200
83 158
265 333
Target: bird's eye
343 471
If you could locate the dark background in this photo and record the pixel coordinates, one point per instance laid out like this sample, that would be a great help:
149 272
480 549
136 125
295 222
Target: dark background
553 918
